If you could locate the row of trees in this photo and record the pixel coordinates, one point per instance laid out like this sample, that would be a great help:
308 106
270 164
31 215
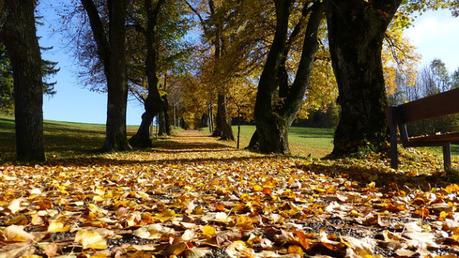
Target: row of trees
279 54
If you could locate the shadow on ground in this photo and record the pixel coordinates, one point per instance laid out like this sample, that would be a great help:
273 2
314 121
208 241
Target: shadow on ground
120 162
184 145
388 181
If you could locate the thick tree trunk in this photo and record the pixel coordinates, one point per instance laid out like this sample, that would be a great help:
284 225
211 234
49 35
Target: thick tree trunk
356 31
153 103
112 52
274 120
19 37
223 128
266 128
115 134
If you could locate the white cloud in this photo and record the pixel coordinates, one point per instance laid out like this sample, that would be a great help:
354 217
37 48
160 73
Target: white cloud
436 35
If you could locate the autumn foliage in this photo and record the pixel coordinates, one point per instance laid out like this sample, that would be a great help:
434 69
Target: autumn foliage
211 200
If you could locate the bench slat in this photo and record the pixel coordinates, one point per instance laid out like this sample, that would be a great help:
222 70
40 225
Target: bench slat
433 106
433 140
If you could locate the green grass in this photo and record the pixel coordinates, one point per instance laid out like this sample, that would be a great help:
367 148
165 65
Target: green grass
303 141
70 139
316 142
62 139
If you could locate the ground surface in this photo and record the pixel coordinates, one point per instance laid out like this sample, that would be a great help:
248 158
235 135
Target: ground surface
192 195
67 139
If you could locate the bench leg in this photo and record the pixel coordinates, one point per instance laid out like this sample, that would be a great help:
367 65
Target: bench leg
393 151
447 156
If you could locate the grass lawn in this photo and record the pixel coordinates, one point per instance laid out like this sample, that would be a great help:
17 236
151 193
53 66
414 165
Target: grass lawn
304 141
62 139
67 139
317 142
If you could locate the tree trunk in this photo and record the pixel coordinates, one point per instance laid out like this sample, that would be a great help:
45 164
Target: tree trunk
161 124
211 118
273 120
167 123
238 127
153 103
262 140
115 135
112 52
356 31
19 37
223 128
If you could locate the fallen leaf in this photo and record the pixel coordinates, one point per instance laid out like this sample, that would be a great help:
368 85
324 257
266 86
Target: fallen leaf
15 233
90 238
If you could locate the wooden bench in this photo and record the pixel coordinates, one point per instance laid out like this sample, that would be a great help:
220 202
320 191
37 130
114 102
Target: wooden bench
445 103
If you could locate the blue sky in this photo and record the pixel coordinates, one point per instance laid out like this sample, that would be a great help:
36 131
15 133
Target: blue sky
435 34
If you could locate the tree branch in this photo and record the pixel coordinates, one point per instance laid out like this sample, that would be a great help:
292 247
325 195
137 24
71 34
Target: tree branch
201 20
98 31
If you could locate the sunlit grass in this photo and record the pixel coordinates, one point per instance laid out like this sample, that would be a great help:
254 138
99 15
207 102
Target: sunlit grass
68 139
303 141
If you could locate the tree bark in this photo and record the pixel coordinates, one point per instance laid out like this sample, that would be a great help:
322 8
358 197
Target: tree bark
116 136
223 128
153 103
356 31
167 120
19 37
265 126
112 52
161 124
273 120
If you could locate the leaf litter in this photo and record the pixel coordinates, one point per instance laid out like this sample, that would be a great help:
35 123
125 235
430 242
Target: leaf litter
208 200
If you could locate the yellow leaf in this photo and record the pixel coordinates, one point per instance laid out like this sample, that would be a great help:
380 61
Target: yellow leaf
443 215
371 185
452 188
56 226
90 238
37 220
15 233
244 222
257 188
166 215
15 205
455 234
98 198
208 231
294 249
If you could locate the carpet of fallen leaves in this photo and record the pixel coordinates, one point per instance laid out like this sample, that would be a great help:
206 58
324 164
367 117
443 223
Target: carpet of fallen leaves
192 196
